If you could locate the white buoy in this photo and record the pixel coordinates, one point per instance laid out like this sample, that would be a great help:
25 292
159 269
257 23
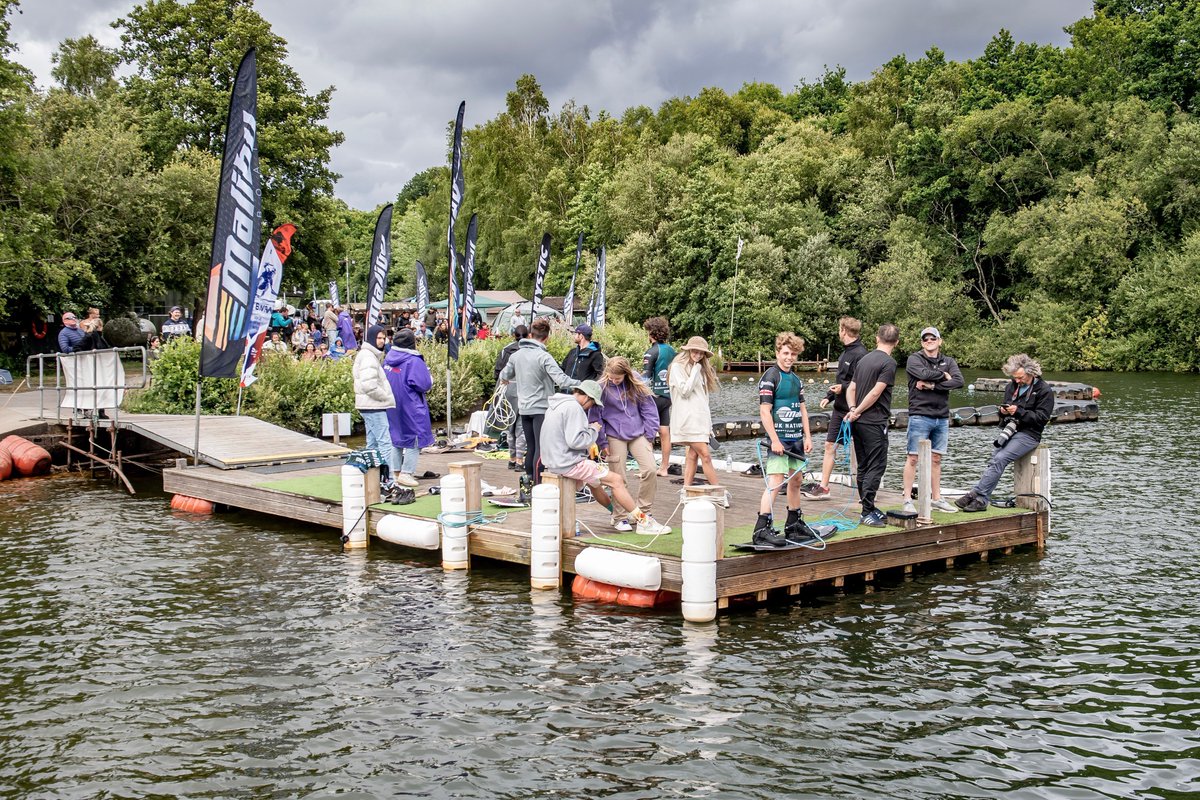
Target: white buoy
454 536
545 539
971 388
354 507
618 568
699 568
420 533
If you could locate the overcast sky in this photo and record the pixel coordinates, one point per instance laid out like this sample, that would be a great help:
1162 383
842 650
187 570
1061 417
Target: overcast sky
402 66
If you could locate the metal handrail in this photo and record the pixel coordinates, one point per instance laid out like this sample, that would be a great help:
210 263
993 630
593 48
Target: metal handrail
59 388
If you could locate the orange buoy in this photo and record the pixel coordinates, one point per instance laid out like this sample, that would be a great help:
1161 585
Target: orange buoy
1095 392
191 505
27 457
587 589
5 465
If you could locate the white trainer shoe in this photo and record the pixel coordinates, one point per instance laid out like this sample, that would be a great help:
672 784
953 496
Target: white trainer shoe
942 505
909 508
648 527
622 525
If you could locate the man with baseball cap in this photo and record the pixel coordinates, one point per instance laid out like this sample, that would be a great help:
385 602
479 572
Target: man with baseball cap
585 362
931 376
568 440
175 325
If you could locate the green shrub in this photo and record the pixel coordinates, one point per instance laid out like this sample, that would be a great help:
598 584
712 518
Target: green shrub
172 387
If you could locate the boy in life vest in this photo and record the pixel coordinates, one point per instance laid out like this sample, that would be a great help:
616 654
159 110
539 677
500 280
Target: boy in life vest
785 422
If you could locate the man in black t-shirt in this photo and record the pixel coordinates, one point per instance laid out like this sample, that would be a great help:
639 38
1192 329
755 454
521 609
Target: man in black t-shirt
870 399
849 329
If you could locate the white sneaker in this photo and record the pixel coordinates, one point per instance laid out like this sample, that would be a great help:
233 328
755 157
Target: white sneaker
725 500
623 525
942 505
648 527
404 479
909 508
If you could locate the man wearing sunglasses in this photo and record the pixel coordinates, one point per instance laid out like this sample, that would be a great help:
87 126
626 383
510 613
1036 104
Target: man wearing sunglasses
931 376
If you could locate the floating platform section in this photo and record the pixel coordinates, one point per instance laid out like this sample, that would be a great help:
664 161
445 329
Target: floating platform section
1063 390
312 493
227 442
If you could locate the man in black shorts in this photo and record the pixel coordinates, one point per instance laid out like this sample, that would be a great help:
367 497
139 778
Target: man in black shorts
870 400
849 329
655 364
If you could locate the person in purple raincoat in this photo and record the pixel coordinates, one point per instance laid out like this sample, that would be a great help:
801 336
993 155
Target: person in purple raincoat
409 421
346 330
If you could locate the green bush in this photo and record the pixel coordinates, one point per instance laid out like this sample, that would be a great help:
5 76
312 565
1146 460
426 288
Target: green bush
293 394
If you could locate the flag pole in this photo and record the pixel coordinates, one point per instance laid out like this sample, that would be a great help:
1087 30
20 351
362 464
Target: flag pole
736 259
196 449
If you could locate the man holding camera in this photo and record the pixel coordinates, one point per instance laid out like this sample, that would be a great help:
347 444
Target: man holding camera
1027 407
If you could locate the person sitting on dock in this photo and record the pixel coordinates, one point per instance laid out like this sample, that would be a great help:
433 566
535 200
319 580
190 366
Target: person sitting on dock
630 420
785 420
655 366
373 394
849 329
1027 407
568 439
931 376
536 374
870 399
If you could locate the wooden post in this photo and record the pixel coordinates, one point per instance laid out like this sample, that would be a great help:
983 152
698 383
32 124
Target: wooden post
1031 475
566 500
372 493
470 472
924 482
718 493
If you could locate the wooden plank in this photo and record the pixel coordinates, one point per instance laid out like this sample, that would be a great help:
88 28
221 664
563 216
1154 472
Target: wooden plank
253 498
865 545
837 570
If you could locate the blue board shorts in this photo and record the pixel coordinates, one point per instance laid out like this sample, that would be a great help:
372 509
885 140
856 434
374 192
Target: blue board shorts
935 429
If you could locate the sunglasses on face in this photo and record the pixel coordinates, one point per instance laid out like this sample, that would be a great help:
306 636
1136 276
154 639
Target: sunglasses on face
928 338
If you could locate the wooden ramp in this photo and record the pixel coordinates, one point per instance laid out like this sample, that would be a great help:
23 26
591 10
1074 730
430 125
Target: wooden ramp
228 442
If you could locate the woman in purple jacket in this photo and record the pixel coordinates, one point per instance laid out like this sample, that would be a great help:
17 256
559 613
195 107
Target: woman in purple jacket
629 420
409 421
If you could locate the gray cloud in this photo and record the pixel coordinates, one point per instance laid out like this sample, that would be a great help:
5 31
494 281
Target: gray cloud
400 68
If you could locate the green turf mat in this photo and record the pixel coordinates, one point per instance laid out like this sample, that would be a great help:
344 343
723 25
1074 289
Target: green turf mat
671 544
326 487
329 487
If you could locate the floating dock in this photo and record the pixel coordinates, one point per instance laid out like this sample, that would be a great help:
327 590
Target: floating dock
312 492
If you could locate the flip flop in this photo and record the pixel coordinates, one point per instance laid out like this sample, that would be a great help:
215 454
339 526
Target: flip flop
428 474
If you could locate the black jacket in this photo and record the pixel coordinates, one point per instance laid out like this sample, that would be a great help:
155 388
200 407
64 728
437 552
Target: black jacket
933 402
845 373
505 355
1034 408
584 365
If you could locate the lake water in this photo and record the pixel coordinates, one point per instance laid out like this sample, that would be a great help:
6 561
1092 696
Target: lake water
149 654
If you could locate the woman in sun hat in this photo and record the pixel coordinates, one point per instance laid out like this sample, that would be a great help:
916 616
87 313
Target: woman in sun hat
691 379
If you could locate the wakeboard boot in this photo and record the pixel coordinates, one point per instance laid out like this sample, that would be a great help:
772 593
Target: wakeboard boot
765 535
798 532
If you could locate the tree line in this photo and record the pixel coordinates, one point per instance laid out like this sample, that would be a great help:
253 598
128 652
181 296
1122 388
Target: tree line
1034 198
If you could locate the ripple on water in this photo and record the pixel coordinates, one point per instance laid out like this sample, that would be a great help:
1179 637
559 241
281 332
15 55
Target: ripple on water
151 654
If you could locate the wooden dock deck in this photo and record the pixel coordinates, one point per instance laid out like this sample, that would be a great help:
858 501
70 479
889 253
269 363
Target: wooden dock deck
227 442
312 493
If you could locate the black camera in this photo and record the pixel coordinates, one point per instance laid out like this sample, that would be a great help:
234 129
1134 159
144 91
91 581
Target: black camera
1006 433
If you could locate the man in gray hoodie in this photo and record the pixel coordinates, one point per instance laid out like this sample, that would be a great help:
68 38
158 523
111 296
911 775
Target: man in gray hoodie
536 374
567 441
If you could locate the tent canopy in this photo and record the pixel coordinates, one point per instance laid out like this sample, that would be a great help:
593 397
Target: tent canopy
480 303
